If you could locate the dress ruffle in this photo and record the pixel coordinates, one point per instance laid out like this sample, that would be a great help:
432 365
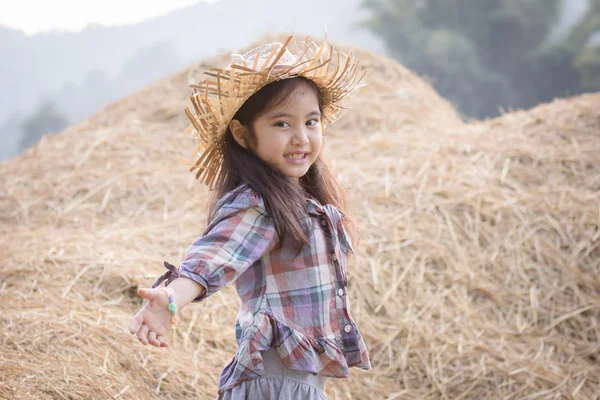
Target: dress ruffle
321 356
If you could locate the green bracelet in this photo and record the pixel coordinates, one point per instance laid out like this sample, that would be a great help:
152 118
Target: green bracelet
172 306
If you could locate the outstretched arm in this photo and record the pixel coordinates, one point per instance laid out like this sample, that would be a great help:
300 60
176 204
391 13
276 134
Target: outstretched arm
239 235
153 321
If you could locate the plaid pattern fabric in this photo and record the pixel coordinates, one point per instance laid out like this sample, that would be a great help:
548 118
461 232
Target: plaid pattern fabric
296 304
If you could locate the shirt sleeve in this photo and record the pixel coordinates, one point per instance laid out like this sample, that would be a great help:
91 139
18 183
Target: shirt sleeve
239 235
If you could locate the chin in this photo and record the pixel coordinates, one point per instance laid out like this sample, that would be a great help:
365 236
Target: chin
298 175
295 173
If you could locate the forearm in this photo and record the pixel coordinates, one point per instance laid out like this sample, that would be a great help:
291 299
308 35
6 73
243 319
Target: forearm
185 290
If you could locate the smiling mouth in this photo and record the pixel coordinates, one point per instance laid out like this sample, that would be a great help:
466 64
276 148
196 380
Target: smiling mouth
297 156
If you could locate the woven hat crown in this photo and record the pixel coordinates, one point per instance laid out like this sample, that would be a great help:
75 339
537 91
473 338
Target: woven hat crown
215 100
262 53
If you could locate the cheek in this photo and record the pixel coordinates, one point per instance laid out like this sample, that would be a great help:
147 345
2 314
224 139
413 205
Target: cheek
317 140
261 144
270 146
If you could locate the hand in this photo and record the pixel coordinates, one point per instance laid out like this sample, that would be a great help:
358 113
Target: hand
153 321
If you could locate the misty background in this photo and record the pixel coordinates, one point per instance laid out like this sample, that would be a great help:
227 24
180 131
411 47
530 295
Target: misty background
483 55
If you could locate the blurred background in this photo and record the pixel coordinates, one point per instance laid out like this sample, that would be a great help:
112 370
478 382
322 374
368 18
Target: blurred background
63 61
477 274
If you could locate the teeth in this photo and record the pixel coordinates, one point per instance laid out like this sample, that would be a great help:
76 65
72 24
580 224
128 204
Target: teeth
296 156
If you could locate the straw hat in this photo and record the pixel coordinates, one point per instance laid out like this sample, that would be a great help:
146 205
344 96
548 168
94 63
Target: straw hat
214 101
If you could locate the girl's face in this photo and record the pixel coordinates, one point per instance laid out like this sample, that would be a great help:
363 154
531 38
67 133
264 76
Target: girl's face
288 136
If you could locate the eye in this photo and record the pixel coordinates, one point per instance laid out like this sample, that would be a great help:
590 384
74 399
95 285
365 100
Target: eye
281 124
312 122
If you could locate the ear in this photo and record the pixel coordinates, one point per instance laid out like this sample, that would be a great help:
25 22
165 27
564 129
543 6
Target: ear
239 132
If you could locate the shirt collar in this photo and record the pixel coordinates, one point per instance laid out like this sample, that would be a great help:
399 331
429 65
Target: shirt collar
314 207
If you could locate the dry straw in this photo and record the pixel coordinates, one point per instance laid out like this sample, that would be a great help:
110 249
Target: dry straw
477 272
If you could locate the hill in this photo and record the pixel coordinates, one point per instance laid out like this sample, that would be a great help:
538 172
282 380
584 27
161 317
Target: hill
476 274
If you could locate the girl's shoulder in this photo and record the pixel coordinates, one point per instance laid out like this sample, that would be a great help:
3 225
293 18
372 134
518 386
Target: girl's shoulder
240 198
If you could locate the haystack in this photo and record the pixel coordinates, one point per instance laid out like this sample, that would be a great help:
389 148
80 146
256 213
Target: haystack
477 272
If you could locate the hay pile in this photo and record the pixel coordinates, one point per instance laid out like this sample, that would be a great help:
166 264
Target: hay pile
477 275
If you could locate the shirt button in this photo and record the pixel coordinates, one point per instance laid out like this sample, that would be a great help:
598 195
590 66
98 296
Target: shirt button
347 328
341 292
323 222
333 257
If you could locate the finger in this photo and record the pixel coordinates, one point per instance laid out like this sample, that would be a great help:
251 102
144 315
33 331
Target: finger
148 293
142 334
163 342
135 323
152 339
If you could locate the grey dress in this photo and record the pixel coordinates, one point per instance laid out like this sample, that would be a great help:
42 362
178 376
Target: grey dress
278 383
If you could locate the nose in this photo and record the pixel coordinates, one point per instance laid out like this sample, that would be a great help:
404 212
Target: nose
300 137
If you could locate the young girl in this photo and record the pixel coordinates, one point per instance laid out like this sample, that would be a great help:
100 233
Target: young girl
275 227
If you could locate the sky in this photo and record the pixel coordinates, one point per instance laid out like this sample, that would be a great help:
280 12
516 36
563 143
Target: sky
34 16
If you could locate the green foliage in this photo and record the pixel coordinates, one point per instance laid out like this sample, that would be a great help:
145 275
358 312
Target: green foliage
588 65
489 54
585 38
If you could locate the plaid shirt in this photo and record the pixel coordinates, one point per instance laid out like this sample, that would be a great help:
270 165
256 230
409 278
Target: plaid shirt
296 304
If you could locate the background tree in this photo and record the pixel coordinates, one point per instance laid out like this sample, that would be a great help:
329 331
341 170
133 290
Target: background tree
486 55
584 42
47 119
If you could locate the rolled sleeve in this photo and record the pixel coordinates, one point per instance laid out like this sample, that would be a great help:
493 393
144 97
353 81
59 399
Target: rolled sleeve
239 236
